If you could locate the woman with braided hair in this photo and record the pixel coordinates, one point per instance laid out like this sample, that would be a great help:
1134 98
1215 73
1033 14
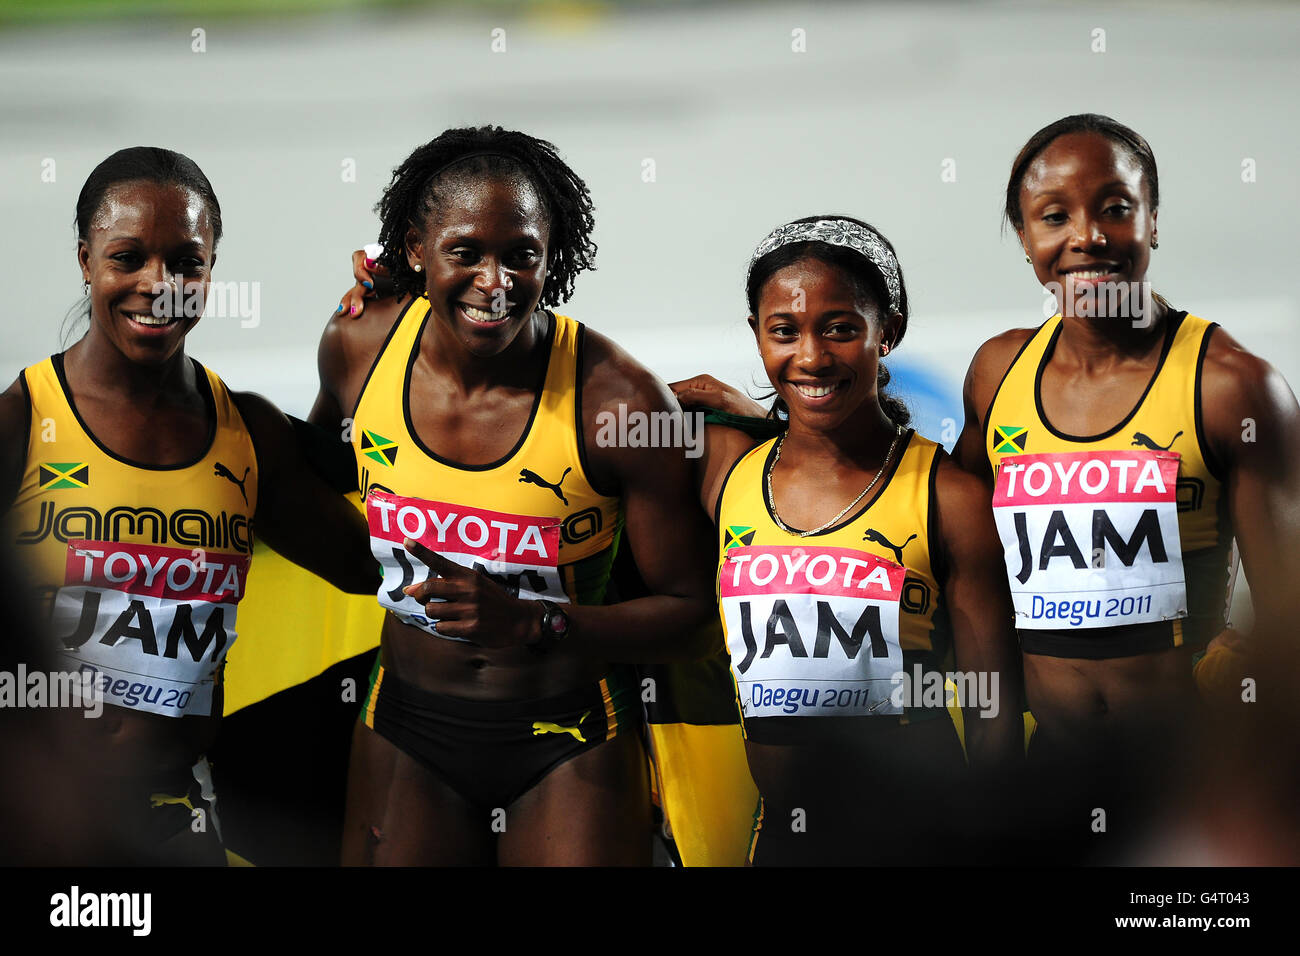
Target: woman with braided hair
500 723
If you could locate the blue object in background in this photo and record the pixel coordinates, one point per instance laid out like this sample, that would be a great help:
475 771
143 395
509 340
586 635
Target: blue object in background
933 399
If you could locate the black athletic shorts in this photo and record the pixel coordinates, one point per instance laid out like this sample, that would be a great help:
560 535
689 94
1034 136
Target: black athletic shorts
493 752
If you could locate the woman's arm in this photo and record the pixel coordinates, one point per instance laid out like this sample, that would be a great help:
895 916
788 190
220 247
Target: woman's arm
297 514
723 444
979 606
1252 425
987 369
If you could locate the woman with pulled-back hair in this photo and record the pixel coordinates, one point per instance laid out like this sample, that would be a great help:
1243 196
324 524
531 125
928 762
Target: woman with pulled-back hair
133 479
1150 439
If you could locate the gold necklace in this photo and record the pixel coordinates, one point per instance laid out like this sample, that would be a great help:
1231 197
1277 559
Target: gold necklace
771 499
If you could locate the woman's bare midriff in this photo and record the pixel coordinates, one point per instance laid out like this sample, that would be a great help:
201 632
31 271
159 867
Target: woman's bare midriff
469 671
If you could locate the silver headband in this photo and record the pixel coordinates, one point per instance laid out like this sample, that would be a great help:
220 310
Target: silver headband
839 232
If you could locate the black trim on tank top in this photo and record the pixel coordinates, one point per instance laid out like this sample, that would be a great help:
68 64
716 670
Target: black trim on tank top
27 430
532 414
238 412
579 432
905 444
380 354
938 559
722 491
988 412
1171 330
205 392
1207 454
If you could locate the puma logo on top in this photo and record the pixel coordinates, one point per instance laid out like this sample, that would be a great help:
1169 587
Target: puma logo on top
533 478
1139 438
874 535
222 471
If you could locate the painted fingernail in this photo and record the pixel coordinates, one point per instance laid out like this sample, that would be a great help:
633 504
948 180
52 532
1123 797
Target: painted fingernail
368 284
354 311
370 263
339 309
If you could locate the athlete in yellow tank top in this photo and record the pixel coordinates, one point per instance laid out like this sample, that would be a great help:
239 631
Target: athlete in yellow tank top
823 624
132 480
1123 443
139 568
497 726
1116 543
857 577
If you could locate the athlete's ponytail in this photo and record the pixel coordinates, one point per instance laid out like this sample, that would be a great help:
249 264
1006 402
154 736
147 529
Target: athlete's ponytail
866 275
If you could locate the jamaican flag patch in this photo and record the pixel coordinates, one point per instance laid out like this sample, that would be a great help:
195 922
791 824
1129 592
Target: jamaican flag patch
378 448
1009 439
737 535
67 474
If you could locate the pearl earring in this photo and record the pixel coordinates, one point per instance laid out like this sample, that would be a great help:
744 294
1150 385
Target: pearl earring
1029 260
418 267
1155 244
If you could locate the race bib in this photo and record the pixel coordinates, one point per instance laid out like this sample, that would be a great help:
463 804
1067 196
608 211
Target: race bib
812 631
153 624
1091 538
519 552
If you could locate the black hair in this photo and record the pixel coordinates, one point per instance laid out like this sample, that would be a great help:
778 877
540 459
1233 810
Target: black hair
1079 123
152 164
868 282
425 177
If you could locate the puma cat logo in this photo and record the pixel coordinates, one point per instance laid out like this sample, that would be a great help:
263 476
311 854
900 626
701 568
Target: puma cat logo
874 535
545 727
1139 438
533 478
222 471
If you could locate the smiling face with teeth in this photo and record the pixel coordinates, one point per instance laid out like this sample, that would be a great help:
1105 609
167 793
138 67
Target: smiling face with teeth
1088 219
820 338
484 258
143 234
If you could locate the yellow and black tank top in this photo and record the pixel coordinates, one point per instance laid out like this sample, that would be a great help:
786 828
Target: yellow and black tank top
844 623
139 568
531 520
1119 543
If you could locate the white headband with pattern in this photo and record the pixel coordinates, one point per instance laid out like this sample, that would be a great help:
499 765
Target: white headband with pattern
839 232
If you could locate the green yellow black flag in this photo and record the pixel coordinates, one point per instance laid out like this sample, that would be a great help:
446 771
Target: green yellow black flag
737 535
67 474
378 448
1010 439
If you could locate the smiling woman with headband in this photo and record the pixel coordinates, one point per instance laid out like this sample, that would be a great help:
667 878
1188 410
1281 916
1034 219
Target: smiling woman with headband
857 566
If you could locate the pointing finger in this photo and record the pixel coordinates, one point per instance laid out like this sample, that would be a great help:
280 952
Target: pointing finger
436 562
